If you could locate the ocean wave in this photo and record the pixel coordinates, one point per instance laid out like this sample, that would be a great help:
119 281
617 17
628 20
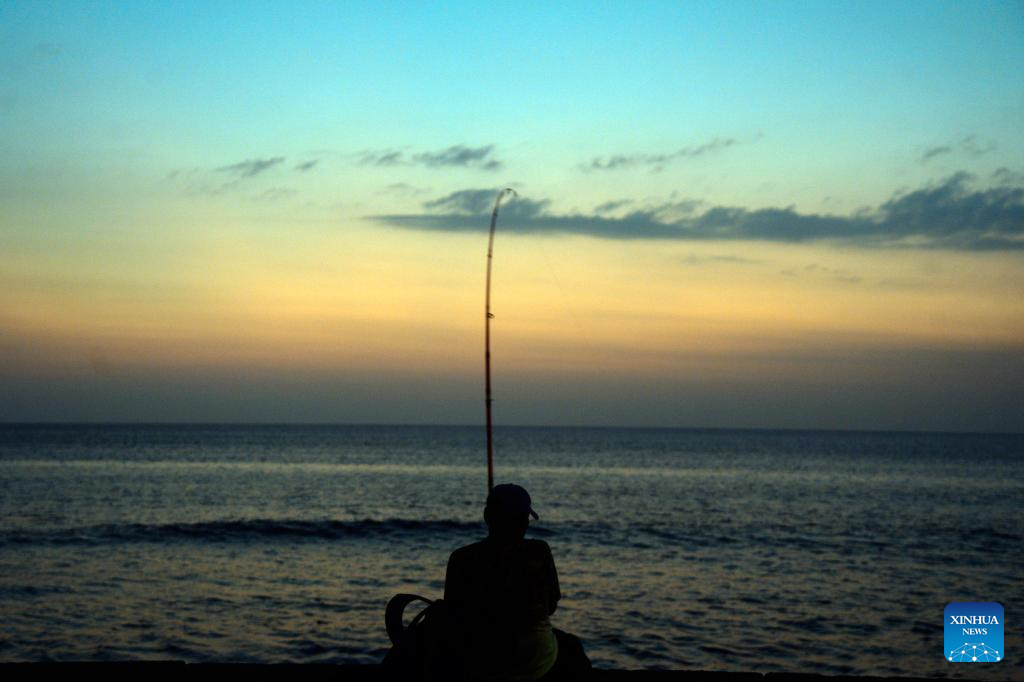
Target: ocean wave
253 530
597 533
632 536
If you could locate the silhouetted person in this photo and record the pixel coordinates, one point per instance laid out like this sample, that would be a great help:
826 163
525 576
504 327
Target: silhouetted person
501 593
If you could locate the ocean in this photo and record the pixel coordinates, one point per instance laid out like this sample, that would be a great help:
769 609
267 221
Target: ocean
817 552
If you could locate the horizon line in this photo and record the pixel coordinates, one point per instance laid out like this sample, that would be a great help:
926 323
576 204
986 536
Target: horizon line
6 423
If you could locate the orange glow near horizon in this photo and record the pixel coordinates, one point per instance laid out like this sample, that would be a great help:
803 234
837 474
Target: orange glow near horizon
393 301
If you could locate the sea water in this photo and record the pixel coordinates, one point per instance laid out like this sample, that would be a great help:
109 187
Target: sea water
826 552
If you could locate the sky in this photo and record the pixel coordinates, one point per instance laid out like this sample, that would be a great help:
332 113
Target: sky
729 214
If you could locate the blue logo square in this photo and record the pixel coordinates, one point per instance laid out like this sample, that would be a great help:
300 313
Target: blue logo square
974 632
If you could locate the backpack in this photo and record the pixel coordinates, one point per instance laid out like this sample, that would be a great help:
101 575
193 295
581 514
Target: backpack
425 650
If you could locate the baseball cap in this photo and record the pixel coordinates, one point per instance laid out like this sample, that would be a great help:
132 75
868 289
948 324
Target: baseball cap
510 499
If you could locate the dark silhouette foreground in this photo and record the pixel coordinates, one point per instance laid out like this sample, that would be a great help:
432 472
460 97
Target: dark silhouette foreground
494 622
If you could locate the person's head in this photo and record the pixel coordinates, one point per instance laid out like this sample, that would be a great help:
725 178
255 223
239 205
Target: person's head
508 512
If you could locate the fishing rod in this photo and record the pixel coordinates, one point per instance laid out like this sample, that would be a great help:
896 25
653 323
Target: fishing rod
487 339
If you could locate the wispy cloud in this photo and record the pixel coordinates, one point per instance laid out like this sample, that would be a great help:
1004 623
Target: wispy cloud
612 206
251 167
1005 176
972 147
459 155
952 214
307 166
834 274
695 259
403 188
455 156
200 181
657 161
932 152
382 158
968 146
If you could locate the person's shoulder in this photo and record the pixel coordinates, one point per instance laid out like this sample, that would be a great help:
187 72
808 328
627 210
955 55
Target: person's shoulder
466 551
537 547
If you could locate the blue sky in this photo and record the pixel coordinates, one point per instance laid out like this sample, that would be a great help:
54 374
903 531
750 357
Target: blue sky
829 79
849 171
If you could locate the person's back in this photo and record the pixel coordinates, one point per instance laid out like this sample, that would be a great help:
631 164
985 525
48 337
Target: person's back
502 592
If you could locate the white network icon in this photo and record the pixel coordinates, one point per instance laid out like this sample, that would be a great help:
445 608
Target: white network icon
971 653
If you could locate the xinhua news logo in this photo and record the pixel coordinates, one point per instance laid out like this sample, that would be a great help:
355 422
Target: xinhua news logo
974 632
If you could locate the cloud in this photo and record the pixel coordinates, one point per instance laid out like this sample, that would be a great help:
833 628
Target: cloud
967 146
307 166
1005 176
657 161
456 156
949 215
932 152
480 202
694 259
199 181
381 158
972 147
251 167
611 206
835 274
403 188
459 155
